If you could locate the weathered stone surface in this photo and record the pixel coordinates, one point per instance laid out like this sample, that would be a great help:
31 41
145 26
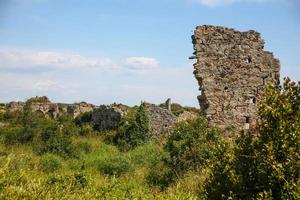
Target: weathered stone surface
49 109
232 70
186 115
168 104
15 106
53 109
106 118
161 121
122 109
3 108
77 108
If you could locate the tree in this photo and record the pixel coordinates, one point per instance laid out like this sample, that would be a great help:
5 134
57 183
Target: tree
279 139
265 164
134 133
193 145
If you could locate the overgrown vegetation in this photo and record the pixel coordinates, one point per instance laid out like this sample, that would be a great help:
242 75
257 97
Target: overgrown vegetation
63 158
134 132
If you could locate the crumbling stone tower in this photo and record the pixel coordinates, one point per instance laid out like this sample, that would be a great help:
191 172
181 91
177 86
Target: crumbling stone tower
232 70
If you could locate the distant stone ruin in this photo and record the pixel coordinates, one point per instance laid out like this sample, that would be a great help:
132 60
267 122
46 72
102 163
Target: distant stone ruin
168 104
161 120
53 109
232 70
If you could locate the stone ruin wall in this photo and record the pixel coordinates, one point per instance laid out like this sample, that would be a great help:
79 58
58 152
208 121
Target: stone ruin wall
53 109
232 70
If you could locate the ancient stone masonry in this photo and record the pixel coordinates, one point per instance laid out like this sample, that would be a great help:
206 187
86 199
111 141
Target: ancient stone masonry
161 121
232 70
53 109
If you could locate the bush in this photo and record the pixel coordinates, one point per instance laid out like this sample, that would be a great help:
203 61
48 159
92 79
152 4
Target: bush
134 133
160 175
10 116
86 130
193 145
145 154
16 135
38 99
265 163
83 118
53 140
50 163
278 146
115 165
68 126
25 127
84 147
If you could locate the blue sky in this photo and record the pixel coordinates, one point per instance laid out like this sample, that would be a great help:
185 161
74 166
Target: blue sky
105 51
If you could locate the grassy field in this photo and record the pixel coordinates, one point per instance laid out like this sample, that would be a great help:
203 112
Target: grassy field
101 172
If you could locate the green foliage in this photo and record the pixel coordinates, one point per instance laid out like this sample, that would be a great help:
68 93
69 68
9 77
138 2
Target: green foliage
46 135
265 163
53 140
193 145
83 118
24 129
50 163
223 179
178 109
86 130
115 165
146 154
84 147
195 163
68 126
25 126
14 135
279 140
133 133
160 175
10 116
38 99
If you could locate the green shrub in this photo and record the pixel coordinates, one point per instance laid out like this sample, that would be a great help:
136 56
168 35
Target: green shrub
52 139
67 182
10 116
50 163
265 162
160 175
278 146
133 133
68 126
83 118
37 99
86 130
109 136
223 180
114 165
145 155
17 135
84 147
193 145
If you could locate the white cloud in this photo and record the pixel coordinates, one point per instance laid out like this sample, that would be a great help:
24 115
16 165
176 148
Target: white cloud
45 85
14 59
25 60
213 3
136 78
141 63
